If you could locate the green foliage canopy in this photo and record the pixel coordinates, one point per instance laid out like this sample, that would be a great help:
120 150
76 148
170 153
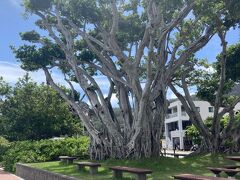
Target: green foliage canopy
35 111
207 81
4 145
232 63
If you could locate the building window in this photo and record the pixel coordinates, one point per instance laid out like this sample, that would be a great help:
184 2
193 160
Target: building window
173 126
169 111
174 109
182 109
210 109
185 124
198 109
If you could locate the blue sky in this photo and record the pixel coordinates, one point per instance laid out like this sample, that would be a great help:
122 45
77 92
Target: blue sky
12 23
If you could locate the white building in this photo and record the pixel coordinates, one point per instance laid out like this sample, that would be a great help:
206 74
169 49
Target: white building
177 120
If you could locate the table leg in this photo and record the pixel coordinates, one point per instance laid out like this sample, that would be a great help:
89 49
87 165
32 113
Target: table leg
80 167
217 175
69 161
93 170
176 156
117 174
141 177
231 175
64 161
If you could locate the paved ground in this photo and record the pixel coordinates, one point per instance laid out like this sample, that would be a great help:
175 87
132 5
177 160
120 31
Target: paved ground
7 176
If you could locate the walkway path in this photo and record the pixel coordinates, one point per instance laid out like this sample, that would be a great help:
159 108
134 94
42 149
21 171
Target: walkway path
7 176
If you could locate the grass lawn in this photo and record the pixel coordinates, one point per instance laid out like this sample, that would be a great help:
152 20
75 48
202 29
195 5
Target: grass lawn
163 167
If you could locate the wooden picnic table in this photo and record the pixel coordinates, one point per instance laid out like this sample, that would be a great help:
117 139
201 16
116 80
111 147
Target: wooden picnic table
140 173
93 167
196 177
231 166
234 158
67 159
230 172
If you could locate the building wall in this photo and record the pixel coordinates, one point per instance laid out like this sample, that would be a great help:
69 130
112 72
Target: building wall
237 107
178 116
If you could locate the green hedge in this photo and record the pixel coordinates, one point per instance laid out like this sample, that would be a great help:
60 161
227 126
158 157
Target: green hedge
4 146
44 150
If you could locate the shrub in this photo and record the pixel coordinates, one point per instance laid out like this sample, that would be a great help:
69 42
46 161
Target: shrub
4 145
44 150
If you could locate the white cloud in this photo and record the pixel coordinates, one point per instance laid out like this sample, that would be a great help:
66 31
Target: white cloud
171 95
11 72
209 69
16 3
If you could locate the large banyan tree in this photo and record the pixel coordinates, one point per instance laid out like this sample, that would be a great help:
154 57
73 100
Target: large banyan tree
137 45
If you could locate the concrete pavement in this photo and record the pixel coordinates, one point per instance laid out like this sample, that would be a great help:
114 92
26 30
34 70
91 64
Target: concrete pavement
7 176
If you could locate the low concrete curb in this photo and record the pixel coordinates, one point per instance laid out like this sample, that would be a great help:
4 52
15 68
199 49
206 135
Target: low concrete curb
29 173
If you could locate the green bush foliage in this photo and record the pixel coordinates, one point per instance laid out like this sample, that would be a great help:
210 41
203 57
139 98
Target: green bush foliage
4 145
44 150
29 111
194 134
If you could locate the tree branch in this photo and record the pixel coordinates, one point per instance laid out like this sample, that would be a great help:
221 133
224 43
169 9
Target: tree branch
218 100
81 108
115 20
195 46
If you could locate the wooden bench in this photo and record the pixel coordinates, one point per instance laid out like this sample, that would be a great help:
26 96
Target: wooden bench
234 158
93 167
67 159
196 177
231 166
141 174
230 172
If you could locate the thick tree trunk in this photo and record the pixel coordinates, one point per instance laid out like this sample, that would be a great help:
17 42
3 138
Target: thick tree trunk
147 142
126 111
105 149
158 123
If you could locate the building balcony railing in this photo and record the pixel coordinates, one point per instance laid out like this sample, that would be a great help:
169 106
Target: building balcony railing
177 133
168 116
